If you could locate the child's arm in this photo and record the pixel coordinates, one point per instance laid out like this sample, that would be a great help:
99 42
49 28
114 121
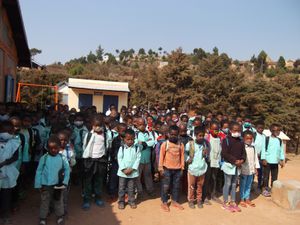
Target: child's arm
182 156
281 156
38 174
120 159
187 151
162 156
137 161
67 171
12 159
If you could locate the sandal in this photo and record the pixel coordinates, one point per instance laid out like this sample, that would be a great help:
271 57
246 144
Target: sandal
165 207
243 204
252 204
177 205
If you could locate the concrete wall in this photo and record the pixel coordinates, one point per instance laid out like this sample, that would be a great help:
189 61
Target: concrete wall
73 98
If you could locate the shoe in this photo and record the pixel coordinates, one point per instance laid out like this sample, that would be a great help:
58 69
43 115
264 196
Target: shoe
100 203
207 202
133 205
177 205
121 205
165 207
243 204
227 206
191 204
200 205
235 207
266 193
42 222
86 206
60 221
251 204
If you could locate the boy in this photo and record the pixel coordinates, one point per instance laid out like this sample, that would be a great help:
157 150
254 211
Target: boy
271 156
146 140
78 134
95 158
234 155
197 166
129 157
259 143
52 175
248 170
113 154
171 165
8 172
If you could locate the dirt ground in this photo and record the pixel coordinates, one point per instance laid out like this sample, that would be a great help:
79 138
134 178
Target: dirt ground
149 212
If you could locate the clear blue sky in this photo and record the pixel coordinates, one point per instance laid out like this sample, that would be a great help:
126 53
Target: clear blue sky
66 29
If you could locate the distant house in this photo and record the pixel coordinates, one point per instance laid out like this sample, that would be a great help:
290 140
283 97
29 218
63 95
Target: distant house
99 93
289 64
63 91
14 51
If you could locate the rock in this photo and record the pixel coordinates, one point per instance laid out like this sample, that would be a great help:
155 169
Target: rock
286 194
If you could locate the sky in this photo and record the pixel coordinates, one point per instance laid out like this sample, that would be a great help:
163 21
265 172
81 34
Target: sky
66 29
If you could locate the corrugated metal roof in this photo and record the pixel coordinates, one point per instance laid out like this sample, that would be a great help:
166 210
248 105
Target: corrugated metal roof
99 85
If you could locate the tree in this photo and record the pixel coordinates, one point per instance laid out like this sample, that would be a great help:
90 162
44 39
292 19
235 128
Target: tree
99 53
160 50
297 63
281 62
199 53
215 51
262 61
141 51
150 52
34 52
91 57
117 51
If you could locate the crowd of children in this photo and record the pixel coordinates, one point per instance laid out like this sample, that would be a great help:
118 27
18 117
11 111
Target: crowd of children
125 154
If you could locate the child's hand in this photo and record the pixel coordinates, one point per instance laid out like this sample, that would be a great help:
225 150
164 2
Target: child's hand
281 163
189 161
161 173
256 172
129 171
264 162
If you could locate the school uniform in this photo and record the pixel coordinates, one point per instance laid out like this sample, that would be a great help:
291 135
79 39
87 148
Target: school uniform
95 158
259 143
273 153
128 157
46 178
196 170
145 164
248 171
8 173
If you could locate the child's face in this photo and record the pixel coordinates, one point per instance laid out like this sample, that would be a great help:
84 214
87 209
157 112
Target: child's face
53 148
141 125
214 130
260 128
98 128
157 127
197 123
182 131
184 119
17 125
225 126
63 140
248 139
275 131
129 140
200 137
129 122
26 122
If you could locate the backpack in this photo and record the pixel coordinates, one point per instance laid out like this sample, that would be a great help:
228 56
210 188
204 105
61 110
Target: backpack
122 147
268 140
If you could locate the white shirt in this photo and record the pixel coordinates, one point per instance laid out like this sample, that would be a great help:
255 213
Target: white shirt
98 147
251 163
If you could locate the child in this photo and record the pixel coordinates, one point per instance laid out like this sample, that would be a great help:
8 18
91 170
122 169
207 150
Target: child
113 154
171 165
68 153
214 162
52 174
259 143
78 134
197 166
248 170
95 158
271 156
146 140
129 157
8 172
234 155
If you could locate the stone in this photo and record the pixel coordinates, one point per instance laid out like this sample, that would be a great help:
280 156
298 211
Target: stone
286 194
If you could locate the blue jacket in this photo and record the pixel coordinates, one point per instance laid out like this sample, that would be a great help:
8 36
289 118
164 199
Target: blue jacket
48 168
149 142
259 143
274 153
198 166
129 157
